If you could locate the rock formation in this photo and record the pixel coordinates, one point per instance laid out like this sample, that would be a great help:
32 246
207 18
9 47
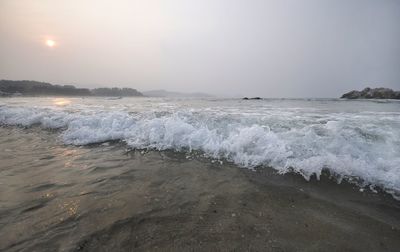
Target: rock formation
372 93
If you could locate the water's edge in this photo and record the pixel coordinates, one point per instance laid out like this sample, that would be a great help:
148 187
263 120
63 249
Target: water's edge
109 197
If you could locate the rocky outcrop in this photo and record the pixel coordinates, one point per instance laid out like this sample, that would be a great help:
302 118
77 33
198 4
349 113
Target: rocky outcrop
252 98
372 93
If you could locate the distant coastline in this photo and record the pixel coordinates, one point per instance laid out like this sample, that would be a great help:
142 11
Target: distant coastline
372 93
34 88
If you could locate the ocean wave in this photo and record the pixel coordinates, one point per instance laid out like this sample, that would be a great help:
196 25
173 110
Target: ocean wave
364 146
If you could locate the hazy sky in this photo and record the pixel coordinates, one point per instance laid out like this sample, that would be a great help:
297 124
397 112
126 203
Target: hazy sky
270 48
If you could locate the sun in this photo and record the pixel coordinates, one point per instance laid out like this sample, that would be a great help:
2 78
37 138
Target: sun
50 43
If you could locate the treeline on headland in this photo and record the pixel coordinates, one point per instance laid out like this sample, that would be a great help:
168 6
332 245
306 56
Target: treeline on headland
35 88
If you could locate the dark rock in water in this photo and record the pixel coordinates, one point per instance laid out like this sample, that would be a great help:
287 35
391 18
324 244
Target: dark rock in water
252 98
372 93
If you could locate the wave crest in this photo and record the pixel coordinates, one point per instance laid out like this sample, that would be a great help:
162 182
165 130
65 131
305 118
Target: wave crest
348 148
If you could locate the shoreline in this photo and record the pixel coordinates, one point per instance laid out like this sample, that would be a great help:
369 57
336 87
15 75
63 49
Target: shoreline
105 197
199 156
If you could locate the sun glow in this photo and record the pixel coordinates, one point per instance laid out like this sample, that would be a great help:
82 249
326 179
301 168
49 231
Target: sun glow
50 43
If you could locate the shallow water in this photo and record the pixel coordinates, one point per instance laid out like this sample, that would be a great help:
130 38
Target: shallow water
106 197
354 140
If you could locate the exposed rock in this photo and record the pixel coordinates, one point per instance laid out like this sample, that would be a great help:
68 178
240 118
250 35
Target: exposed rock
372 93
252 98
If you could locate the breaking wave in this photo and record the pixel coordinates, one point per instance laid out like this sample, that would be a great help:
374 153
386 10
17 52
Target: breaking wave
365 147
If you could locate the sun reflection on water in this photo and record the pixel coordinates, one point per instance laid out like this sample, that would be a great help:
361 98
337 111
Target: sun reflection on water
61 101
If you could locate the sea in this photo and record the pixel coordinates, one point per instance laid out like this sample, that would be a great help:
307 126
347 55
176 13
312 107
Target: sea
199 174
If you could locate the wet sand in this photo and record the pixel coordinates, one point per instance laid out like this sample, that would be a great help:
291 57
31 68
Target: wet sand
106 197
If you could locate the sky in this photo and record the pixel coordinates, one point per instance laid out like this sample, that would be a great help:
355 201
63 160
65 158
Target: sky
268 48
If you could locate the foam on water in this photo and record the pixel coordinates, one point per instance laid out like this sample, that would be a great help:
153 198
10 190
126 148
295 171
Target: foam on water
363 145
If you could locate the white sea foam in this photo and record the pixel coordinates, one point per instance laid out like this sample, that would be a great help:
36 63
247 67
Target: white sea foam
360 145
